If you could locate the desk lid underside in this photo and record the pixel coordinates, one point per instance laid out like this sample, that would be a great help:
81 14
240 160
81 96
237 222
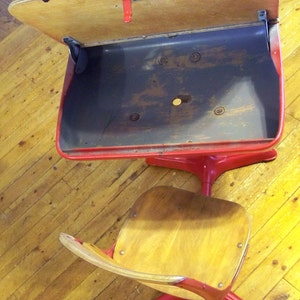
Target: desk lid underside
96 22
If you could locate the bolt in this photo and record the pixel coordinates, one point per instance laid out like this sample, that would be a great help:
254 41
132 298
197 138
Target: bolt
219 110
163 60
240 245
195 57
134 117
122 252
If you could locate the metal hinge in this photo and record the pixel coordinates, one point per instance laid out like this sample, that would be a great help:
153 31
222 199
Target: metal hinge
262 16
78 54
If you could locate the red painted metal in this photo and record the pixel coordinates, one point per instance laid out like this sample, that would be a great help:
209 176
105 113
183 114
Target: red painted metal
127 10
229 296
203 290
232 296
209 168
110 252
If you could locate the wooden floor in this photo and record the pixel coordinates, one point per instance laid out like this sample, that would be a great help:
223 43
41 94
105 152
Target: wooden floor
42 194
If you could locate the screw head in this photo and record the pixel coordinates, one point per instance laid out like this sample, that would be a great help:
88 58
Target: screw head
176 101
195 57
163 60
134 117
219 110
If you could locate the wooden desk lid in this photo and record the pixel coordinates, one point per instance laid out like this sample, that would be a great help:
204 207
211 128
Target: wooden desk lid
94 22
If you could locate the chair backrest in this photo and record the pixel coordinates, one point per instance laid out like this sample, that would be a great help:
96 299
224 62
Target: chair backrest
92 22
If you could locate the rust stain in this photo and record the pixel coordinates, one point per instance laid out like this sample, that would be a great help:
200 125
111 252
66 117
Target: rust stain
213 101
155 89
210 58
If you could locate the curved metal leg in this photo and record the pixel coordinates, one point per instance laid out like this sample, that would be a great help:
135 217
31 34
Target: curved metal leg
229 296
232 296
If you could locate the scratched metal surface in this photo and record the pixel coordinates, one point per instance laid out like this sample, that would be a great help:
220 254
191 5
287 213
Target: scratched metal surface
225 80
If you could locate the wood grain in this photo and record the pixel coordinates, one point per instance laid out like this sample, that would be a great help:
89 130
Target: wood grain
61 18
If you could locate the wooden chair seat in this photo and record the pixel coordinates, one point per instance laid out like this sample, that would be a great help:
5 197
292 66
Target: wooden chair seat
177 242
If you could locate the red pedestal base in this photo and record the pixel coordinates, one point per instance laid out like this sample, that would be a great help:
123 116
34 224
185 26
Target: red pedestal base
209 168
